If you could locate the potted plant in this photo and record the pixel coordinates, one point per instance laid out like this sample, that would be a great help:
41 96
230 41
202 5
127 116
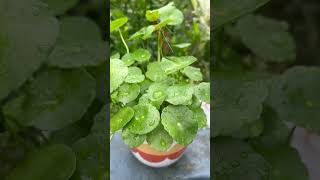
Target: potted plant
156 102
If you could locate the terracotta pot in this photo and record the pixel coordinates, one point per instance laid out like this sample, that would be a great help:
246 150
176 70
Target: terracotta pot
153 158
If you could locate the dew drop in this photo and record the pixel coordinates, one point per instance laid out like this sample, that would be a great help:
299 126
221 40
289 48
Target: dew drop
162 143
157 94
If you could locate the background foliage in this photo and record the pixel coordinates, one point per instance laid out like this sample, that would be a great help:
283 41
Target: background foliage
265 80
192 31
53 89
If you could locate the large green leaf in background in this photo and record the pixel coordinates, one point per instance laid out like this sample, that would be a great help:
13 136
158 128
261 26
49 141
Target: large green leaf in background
226 11
237 102
236 160
27 34
91 154
267 38
52 162
295 97
286 164
59 7
53 100
79 44
100 124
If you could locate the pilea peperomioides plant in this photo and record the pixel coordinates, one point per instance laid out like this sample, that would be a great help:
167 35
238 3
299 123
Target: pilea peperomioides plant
156 98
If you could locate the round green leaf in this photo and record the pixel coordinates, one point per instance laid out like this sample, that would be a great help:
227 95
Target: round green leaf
141 55
79 44
134 75
59 7
73 55
155 72
100 121
180 94
145 99
132 140
120 119
200 116
128 59
118 73
171 13
193 73
236 159
202 91
178 121
127 93
295 97
279 47
157 92
92 152
53 99
25 41
78 29
159 139
53 162
146 118
236 102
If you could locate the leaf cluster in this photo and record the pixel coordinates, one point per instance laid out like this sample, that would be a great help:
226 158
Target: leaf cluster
52 114
157 99
259 95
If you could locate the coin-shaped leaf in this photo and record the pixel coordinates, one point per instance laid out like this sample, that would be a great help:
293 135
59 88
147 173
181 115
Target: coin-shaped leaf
159 139
53 100
141 55
134 75
127 93
155 72
53 162
193 73
118 73
29 35
178 121
202 91
180 94
132 140
121 118
146 118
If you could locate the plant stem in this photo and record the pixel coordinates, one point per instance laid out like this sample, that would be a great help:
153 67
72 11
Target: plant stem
159 45
124 42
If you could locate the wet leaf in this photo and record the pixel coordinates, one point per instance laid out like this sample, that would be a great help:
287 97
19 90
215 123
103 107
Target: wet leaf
159 139
134 75
178 121
53 100
53 162
118 73
146 118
